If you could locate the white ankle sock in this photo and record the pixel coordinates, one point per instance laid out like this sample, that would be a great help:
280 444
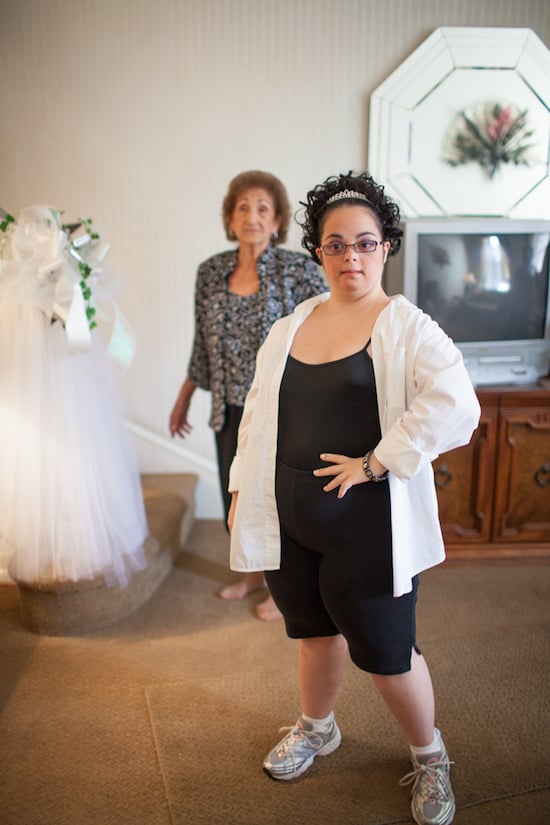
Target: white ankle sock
434 749
320 725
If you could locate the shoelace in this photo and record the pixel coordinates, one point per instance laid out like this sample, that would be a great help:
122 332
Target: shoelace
297 733
434 777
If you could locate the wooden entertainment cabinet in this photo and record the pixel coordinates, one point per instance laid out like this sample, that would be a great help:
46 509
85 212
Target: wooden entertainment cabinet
494 494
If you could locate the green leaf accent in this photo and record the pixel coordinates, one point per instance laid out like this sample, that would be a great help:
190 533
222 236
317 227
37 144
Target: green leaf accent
86 270
6 222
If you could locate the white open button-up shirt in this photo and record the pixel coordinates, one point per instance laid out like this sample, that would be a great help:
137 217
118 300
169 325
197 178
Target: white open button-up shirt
427 406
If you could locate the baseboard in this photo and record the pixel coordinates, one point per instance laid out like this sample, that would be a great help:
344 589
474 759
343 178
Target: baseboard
156 454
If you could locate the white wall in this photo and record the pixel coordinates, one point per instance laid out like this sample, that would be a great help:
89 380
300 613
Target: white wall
138 112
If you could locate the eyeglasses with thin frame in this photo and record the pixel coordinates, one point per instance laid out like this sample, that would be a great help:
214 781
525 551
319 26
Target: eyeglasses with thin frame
340 248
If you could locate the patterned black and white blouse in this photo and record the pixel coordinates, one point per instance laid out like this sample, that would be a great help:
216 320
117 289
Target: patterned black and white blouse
229 329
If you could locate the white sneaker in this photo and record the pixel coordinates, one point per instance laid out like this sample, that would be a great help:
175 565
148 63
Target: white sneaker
433 801
293 755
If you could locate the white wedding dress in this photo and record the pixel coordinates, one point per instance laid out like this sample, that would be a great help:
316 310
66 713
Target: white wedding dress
71 505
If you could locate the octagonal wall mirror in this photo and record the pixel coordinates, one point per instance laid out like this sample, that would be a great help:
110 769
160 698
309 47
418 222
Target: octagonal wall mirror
462 127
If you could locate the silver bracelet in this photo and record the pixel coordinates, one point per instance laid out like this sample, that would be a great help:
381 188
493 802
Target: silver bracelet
369 472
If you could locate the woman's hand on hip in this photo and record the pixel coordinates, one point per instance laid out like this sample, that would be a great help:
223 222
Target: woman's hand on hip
346 472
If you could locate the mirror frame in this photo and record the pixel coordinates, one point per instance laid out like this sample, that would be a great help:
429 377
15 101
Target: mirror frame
415 106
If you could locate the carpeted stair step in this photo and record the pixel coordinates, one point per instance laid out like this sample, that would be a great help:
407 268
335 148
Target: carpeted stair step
71 608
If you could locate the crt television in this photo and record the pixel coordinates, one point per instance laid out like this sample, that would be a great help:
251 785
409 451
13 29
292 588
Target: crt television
486 281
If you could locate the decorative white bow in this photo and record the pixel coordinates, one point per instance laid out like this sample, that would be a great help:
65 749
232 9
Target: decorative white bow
60 269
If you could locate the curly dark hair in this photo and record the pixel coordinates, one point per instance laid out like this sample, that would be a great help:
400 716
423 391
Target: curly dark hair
315 209
255 179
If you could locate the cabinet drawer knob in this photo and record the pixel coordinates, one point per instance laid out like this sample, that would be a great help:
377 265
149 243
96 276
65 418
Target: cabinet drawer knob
542 476
443 476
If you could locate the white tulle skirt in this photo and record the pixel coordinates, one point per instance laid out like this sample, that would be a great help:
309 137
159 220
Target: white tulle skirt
71 505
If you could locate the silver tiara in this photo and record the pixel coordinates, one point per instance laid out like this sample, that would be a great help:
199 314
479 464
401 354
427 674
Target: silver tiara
347 194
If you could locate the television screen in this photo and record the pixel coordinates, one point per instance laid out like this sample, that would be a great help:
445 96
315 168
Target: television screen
486 281
486 286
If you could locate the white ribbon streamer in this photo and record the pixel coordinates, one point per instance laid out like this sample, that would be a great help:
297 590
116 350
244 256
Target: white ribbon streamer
79 337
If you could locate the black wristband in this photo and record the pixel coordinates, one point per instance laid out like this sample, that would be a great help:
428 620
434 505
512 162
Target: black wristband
369 472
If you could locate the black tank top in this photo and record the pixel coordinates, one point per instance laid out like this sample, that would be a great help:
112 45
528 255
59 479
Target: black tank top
329 408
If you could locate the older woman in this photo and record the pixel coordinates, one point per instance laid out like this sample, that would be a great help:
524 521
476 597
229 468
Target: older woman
355 394
239 294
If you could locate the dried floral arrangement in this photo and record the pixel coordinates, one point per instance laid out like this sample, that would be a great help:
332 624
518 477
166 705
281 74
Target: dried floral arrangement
491 134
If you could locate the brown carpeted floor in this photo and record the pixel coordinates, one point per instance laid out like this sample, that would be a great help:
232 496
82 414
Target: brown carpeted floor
165 718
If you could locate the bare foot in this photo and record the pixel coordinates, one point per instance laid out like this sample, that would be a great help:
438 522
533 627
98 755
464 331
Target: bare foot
248 584
268 611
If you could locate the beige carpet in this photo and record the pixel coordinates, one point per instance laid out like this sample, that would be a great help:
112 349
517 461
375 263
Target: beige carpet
496 722
164 718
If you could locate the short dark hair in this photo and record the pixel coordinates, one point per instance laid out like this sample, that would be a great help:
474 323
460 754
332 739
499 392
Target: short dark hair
316 208
262 180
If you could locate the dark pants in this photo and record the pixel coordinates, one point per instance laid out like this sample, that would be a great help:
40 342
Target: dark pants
336 571
226 447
